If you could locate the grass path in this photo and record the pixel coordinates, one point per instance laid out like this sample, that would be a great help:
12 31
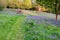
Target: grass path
9 29
6 26
12 34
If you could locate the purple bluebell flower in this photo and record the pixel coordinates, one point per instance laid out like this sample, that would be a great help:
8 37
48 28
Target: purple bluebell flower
35 17
52 37
41 19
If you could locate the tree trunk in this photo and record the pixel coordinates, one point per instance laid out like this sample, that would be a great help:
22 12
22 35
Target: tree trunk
56 16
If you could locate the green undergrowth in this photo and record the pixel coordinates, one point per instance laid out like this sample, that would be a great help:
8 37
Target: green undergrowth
14 27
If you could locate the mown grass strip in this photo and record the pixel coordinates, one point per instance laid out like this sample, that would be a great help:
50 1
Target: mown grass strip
15 28
4 19
6 27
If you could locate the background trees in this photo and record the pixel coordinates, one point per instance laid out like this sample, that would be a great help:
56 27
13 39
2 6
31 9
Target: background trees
26 4
3 4
16 3
50 4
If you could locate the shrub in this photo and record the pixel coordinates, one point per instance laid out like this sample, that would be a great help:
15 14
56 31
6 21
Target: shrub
1 7
33 8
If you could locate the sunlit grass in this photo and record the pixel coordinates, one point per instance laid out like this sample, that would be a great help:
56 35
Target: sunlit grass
9 26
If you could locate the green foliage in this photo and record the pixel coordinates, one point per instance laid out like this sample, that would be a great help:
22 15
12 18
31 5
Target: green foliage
10 26
18 4
50 4
15 27
1 7
35 31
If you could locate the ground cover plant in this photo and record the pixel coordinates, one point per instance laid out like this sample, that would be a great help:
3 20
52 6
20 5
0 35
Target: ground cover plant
38 29
26 27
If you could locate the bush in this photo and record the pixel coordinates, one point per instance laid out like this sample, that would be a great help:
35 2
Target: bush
1 8
33 8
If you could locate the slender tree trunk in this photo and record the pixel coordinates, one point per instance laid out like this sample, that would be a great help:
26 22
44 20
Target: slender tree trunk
56 16
56 9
